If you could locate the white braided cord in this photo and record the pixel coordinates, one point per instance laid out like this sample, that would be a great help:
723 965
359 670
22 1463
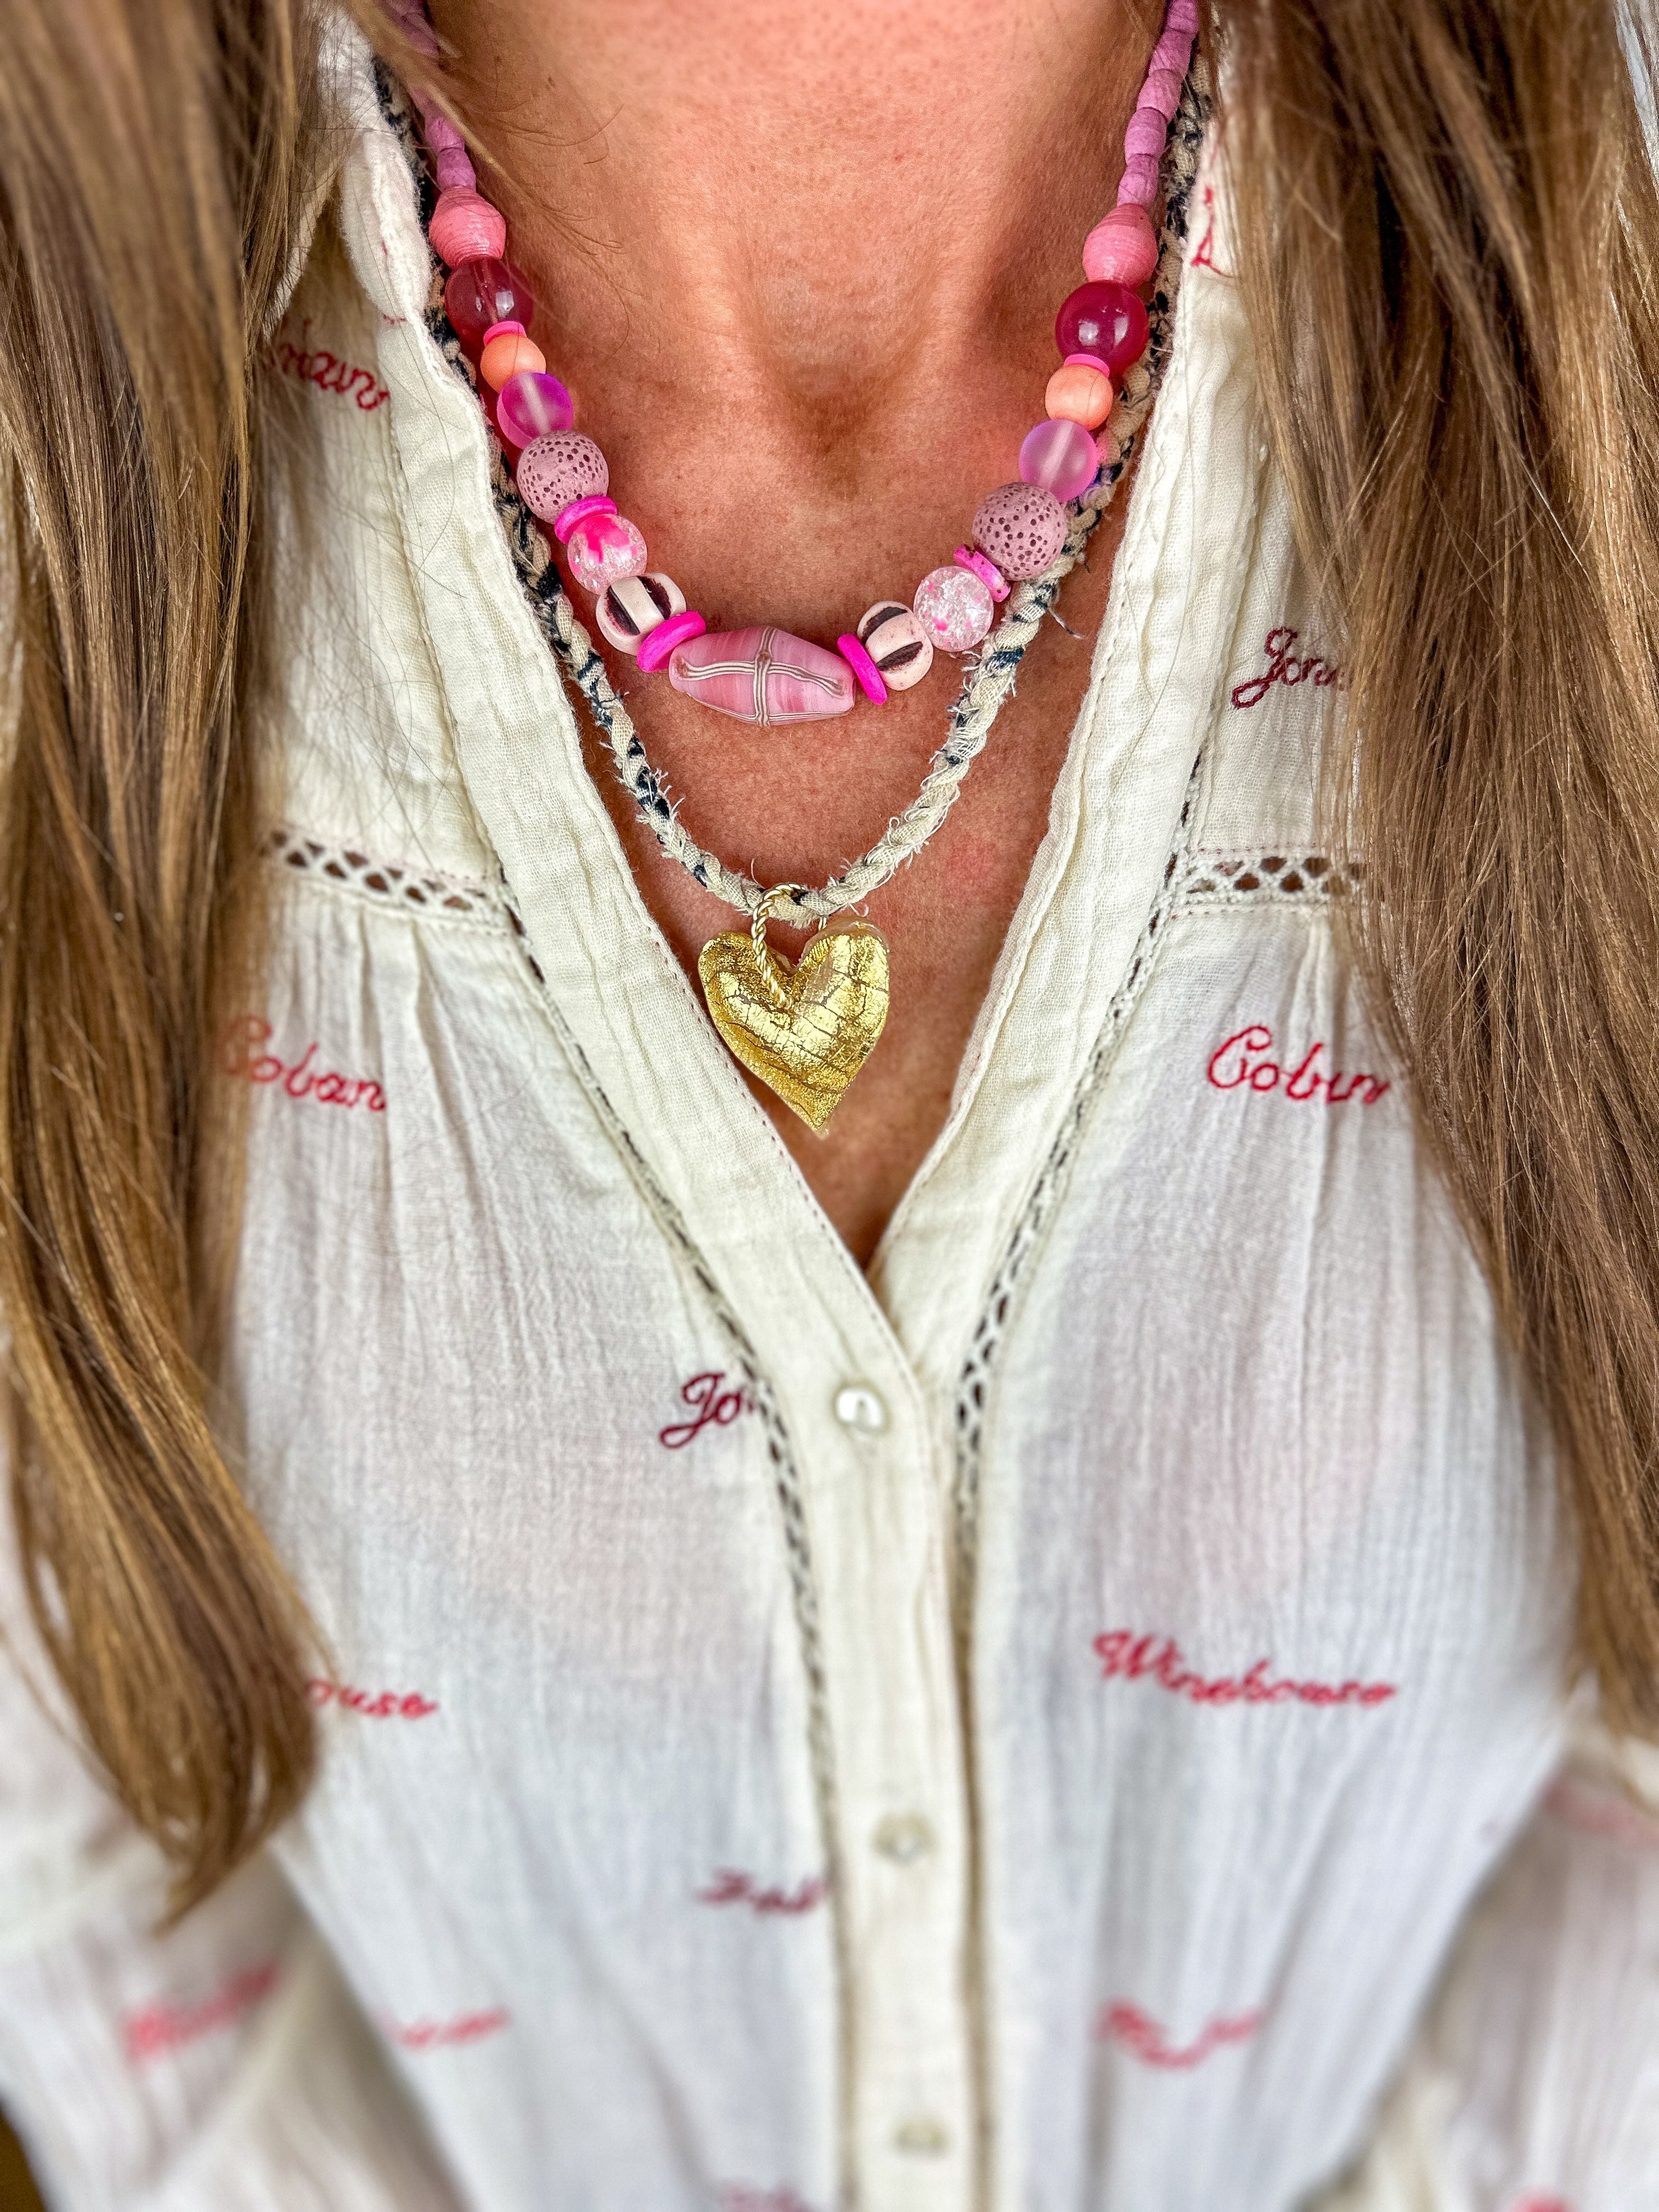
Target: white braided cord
989 677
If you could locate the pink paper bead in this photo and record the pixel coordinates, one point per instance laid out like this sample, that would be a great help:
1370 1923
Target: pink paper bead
1174 51
1183 16
1162 90
763 676
954 609
1138 187
454 171
554 470
1121 248
863 667
441 135
604 550
1022 525
657 644
1147 133
1059 455
465 227
532 405
969 556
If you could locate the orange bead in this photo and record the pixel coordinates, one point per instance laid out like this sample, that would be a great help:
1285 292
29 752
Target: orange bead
510 355
1080 394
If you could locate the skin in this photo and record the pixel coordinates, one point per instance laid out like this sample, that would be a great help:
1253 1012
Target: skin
799 262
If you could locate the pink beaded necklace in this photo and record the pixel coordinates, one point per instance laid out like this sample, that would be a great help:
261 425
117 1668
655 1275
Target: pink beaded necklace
806 1028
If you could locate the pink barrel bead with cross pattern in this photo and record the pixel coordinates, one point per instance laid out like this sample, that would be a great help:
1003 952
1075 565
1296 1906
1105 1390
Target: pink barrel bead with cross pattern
763 674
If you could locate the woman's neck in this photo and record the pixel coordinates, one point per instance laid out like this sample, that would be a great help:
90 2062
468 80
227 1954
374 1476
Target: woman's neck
806 252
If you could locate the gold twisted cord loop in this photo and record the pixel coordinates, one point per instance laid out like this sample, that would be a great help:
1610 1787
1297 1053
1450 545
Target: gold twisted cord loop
765 959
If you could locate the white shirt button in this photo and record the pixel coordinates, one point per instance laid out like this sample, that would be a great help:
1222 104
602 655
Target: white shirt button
922 2136
903 1836
861 1409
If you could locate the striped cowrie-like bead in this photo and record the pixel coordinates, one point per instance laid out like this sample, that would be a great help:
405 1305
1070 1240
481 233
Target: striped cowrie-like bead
896 642
636 605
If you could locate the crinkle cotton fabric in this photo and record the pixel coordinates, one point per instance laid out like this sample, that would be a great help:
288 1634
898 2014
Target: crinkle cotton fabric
1071 1721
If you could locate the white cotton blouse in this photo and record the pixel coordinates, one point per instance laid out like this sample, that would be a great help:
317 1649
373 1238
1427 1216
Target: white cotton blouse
1071 1721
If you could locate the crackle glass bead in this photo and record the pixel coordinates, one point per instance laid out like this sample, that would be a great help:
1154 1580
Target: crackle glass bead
604 550
1059 455
554 470
1105 320
481 293
1022 525
531 404
955 608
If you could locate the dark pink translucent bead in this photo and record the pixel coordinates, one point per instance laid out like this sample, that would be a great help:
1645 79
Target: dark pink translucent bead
1105 320
480 293
531 404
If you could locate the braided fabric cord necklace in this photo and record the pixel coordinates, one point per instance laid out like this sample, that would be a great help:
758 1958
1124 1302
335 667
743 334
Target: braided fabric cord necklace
806 1028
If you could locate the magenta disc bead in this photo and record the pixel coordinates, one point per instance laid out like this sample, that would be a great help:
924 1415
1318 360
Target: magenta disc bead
554 470
1022 526
1105 320
531 404
604 550
1059 455
480 293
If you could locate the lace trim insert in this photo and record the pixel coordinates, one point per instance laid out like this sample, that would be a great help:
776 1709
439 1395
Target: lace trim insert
1249 878
451 897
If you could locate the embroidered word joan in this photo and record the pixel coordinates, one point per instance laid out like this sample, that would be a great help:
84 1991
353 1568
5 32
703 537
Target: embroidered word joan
329 374
159 2027
1142 2037
435 2035
1126 1657
388 1705
1246 1059
708 1403
1288 668
245 1055
731 1888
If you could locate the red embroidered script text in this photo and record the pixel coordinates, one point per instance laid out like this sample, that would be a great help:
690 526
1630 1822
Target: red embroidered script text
389 1704
1142 2037
1285 667
731 1888
708 1403
1129 1657
1245 1060
434 2034
315 366
158 2027
245 1054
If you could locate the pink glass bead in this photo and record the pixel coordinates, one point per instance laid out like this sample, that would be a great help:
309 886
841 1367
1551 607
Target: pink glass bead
969 556
1121 248
480 293
1162 91
1147 133
1059 455
656 644
954 608
532 405
578 511
763 676
454 171
1022 526
1138 186
603 550
1106 320
465 227
555 469
629 611
863 667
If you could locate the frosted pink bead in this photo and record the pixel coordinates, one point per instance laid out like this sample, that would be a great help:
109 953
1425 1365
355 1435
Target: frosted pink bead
863 667
1138 185
604 550
954 608
1162 90
1147 133
1059 455
1022 525
1121 248
465 227
554 470
657 644
763 676
454 170
531 405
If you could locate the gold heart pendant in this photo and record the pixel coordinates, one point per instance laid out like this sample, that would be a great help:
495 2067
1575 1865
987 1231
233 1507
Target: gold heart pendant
803 1027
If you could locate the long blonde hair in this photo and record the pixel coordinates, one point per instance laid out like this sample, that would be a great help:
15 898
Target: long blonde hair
1447 225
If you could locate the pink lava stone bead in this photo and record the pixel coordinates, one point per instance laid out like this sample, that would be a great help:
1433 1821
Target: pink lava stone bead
1147 133
465 227
1059 455
1022 525
531 404
554 470
604 550
1121 248
954 608
1106 320
481 293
